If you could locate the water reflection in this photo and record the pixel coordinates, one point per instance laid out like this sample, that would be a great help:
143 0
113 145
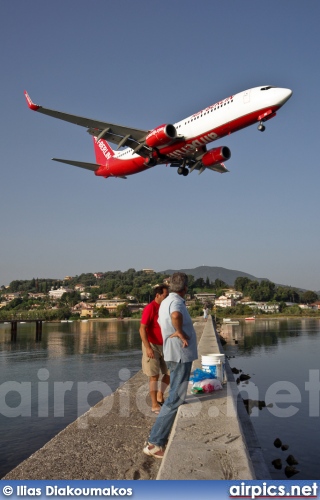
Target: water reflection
70 338
70 353
267 333
282 359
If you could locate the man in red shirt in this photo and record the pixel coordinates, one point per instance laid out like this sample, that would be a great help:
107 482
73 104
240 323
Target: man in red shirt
152 348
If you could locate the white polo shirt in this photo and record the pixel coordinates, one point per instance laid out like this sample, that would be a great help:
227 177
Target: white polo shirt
172 347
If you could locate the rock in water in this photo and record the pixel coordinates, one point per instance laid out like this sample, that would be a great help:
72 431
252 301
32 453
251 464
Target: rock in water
291 460
277 464
277 442
290 471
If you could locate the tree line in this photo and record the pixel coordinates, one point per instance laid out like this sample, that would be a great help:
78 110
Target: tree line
135 286
112 283
267 291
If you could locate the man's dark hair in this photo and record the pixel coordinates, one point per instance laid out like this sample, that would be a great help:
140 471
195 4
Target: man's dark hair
178 282
159 289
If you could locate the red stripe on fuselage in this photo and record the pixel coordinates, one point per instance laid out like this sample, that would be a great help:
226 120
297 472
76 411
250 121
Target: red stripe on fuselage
243 121
116 167
182 148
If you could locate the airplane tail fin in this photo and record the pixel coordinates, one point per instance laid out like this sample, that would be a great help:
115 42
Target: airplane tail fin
102 150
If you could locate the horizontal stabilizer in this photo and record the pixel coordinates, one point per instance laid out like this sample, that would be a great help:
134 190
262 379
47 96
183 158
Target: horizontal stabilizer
81 164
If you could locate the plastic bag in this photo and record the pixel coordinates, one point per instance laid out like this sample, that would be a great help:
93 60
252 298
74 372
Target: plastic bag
206 385
200 375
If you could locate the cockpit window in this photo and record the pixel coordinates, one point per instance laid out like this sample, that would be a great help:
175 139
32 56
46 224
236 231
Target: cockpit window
267 88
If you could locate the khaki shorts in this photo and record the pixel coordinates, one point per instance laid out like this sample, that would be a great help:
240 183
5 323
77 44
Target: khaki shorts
152 366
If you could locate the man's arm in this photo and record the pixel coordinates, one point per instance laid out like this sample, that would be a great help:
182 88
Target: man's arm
177 321
146 343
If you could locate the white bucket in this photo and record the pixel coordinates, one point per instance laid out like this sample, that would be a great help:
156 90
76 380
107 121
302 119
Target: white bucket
215 365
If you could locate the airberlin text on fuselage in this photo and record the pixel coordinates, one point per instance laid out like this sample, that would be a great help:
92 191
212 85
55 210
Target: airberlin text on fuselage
198 143
103 148
217 104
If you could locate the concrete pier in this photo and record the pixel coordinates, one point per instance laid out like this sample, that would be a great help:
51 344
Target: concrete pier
212 437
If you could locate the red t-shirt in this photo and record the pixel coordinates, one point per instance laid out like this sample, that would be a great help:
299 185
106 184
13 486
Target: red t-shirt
150 320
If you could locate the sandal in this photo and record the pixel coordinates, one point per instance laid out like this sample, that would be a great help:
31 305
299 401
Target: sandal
152 450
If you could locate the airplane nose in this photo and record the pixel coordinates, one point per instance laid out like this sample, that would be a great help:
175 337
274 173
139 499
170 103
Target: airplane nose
285 94
289 93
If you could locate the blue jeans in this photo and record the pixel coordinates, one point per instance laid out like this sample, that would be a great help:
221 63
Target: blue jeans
179 378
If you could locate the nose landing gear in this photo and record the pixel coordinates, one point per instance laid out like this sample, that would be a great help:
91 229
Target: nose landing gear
261 127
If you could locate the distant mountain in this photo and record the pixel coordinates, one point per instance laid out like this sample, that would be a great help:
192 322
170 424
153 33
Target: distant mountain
227 275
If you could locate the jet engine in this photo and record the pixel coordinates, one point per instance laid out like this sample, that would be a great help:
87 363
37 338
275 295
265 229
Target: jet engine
216 155
161 135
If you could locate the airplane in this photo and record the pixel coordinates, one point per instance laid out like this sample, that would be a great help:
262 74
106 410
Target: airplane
183 144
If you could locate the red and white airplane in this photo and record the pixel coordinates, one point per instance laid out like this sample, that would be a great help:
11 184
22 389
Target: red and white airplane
183 144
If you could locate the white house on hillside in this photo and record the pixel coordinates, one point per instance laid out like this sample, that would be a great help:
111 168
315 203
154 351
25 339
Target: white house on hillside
57 294
205 297
224 301
233 293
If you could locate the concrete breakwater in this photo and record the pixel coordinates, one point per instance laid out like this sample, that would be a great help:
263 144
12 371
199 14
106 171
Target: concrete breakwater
212 437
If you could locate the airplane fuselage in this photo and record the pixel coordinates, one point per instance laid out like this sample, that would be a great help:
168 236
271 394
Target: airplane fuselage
214 122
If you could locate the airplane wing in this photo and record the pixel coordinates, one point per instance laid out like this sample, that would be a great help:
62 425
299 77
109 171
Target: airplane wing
117 134
219 167
196 164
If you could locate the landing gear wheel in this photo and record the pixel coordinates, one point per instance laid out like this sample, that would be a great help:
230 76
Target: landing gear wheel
180 170
185 172
261 127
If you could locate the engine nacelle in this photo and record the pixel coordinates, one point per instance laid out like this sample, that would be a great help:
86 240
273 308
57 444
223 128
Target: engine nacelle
150 162
216 155
161 135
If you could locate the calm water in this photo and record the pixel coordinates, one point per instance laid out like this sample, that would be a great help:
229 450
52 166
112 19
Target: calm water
271 352
280 356
108 352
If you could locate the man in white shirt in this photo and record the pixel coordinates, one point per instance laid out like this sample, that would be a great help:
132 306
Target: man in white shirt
180 349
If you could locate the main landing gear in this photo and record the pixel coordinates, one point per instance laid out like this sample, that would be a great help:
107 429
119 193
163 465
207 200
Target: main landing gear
181 168
261 127
183 171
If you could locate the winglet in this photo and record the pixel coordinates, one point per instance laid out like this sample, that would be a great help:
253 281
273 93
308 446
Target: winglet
31 105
